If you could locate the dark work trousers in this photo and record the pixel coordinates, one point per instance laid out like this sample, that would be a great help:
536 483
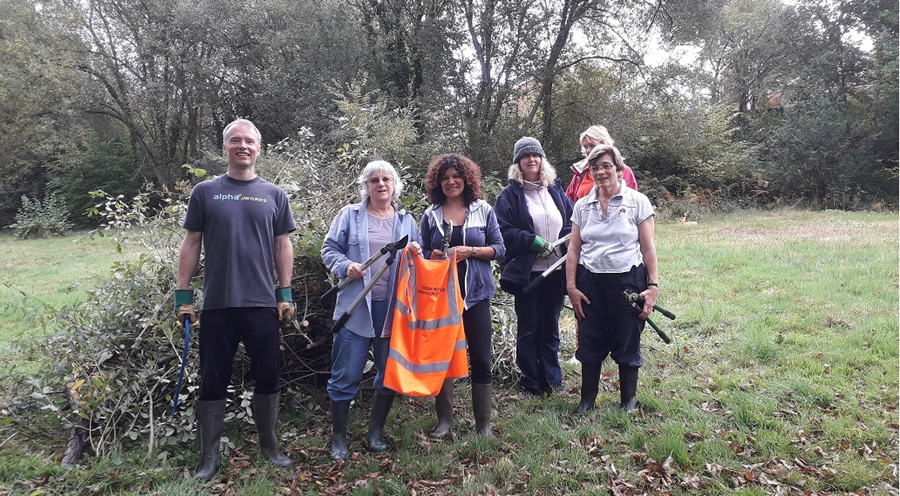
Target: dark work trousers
611 325
537 333
221 332
479 330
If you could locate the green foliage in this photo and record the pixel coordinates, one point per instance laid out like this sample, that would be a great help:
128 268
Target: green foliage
109 166
41 219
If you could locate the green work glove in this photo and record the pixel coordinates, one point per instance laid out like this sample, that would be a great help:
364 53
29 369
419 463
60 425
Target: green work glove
285 304
184 305
542 247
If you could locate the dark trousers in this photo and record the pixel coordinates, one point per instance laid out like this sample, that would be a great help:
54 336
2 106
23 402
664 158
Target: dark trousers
537 333
479 331
611 325
221 332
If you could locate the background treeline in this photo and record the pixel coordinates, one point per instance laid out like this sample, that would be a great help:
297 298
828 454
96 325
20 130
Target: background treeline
774 103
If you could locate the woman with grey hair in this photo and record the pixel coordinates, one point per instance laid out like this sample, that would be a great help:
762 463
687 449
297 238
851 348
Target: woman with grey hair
533 212
611 251
358 231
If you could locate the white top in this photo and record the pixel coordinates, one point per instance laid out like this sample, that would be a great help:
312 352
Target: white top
547 220
609 243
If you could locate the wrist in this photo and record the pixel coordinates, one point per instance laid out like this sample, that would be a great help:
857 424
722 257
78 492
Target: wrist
653 284
184 297
474 252
283 294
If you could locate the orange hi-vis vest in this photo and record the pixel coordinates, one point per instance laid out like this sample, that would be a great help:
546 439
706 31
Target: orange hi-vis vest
428 343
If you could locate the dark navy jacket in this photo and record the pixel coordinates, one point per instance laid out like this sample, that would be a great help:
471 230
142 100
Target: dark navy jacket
518 232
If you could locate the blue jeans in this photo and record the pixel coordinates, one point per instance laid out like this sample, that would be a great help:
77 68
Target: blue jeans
537 333
349 354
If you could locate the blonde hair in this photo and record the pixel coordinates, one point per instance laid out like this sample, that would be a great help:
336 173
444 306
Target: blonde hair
597 135
241 122
548 173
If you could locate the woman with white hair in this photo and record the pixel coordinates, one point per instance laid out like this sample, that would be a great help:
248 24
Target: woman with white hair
533 212
582 183
358 231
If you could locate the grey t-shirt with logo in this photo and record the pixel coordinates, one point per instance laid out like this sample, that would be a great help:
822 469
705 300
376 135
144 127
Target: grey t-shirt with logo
239 221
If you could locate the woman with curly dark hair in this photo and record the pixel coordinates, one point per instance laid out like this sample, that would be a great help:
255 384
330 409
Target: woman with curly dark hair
453 183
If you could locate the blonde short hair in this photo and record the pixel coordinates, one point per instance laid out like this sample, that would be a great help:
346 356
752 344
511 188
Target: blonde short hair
597 134
241 122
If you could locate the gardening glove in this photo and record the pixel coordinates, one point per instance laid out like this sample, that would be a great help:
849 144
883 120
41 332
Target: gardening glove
184 305
285 304
542 247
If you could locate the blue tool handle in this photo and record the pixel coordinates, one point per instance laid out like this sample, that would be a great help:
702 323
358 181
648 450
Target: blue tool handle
184 359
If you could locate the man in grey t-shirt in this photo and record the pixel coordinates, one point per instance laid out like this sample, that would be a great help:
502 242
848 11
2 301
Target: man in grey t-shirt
243 223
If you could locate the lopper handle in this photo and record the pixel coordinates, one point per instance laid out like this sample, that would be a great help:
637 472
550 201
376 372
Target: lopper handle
665 312
534 283
340 322
666 339
329 295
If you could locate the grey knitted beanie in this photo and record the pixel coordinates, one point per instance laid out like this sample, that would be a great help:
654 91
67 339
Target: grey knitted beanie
526 146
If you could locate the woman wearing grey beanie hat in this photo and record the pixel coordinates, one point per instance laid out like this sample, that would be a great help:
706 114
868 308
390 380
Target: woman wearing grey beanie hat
533 211
527 146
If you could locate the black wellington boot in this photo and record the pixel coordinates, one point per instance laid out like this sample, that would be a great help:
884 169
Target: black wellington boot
210 418
481 407
590 386
265 414
340 410
443 407
381 406
628 379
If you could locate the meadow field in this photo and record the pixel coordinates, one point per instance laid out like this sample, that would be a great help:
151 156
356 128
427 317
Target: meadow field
782 378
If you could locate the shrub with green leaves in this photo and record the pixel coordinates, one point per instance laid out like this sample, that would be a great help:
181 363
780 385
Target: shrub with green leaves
41 219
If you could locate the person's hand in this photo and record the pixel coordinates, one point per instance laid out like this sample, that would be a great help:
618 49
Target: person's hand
541 246
462 252
415 248
649 295
578 299
436 255
354 270
546 251
184 305
285 304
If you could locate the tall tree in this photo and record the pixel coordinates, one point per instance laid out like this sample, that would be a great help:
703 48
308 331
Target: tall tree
409 44
41 127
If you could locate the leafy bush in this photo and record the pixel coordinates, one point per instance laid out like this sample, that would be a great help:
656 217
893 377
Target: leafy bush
41 219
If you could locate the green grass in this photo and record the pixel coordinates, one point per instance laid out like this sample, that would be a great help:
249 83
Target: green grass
782 377
41 274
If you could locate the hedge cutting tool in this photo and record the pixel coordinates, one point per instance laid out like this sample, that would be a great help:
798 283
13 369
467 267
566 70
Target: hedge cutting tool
391 248
394 246
184 359
559 263
637 301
